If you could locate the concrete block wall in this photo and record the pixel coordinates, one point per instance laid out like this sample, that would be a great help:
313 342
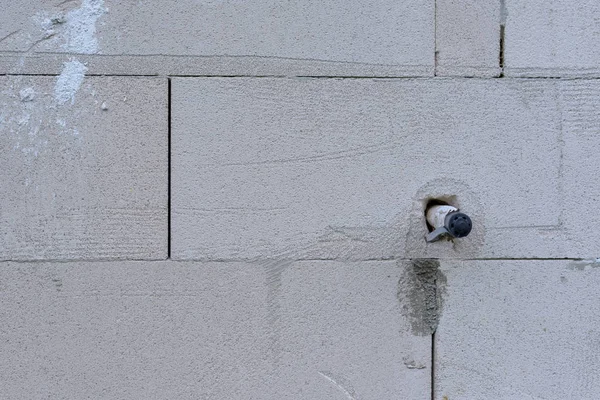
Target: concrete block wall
225 200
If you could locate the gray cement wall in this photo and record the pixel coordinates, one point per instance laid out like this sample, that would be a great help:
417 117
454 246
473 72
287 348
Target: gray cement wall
225 200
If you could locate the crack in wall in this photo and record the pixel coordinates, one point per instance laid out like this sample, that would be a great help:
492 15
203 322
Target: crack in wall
502 45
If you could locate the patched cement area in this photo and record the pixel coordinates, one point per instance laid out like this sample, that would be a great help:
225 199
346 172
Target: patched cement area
420 291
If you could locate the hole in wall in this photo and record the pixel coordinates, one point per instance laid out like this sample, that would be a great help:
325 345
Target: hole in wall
438 201
457 193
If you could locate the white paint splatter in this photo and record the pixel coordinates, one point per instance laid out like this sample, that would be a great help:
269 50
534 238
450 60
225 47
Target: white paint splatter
69 81
27 94
49 23
80 27
412 364
24 119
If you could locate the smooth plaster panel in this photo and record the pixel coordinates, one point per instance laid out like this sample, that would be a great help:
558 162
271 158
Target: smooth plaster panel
342 169
162 330
552 38
305 37
83 167
515 329
467 38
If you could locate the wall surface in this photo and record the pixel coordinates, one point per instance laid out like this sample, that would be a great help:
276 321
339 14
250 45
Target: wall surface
225 200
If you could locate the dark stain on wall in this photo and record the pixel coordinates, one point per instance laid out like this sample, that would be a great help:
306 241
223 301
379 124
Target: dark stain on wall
420 292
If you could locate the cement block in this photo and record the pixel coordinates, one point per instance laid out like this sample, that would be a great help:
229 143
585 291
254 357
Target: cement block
468 38
267 37
83 167
552 38
165 330
342 169
519 330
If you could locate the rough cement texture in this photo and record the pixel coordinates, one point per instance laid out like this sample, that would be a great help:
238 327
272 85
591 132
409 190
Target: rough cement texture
519 330
342 169
467 37
360 33
303 199
78 181
177 330
552 38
